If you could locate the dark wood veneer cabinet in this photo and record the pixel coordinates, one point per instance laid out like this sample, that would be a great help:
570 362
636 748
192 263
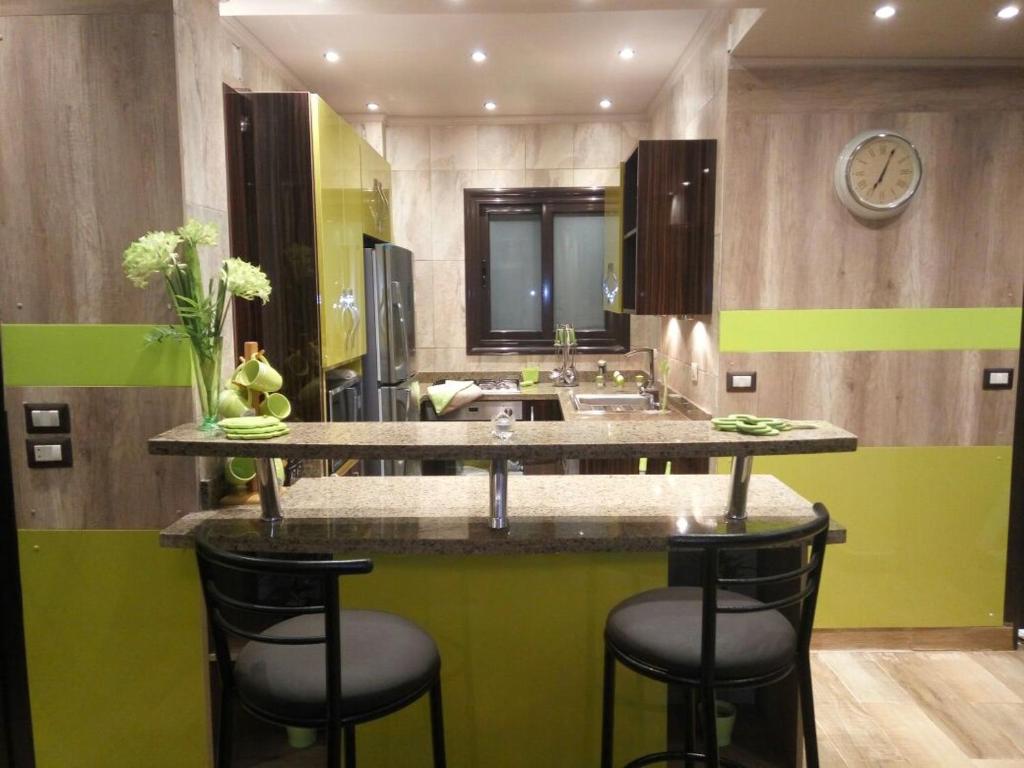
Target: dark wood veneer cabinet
667 210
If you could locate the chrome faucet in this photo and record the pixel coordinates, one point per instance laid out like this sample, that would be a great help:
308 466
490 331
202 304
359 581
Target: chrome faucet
652 384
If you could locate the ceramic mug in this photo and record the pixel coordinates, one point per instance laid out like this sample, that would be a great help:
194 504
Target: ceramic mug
232 403
239 470
277 405
257 374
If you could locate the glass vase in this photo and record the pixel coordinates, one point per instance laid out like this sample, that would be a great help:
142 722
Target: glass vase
206 366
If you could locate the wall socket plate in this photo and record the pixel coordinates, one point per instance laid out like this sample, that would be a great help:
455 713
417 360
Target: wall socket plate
741 381
997 378
39 450
47 418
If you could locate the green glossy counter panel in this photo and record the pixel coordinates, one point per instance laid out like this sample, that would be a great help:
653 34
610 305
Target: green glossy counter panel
927 533
115 645
811 330
91 355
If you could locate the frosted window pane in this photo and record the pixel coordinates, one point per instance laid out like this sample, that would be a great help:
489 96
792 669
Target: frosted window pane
579 264
515 278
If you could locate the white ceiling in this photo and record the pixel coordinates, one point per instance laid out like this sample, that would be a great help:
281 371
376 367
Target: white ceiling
549 63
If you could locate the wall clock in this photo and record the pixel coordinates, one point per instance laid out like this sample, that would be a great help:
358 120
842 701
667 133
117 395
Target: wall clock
877 174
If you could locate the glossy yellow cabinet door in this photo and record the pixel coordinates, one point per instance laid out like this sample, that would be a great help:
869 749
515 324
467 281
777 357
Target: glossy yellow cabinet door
376 187
611 284
336 179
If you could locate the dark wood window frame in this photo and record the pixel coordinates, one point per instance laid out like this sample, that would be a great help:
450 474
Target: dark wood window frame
546 202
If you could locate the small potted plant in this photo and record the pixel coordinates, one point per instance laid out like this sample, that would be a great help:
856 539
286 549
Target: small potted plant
175 257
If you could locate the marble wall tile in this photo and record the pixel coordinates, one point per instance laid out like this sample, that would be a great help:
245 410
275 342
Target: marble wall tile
447 213
408 147
632 132
549 145
373 132
453 147
595 177
450 304
410 212
423 295
489 179
597 145
557 177
501 147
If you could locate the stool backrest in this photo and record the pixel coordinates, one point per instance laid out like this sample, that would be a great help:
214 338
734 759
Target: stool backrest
229 580
804 579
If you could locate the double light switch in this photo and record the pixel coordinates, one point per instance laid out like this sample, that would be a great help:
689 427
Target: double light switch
53 420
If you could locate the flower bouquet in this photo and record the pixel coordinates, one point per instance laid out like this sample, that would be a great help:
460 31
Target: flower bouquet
202 310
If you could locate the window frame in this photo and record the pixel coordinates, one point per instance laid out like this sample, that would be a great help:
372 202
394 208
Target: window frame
547 202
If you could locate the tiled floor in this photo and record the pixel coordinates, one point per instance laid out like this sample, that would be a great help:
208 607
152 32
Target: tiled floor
896 709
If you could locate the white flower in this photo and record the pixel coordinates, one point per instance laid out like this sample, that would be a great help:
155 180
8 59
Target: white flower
245 280
196 233
152 253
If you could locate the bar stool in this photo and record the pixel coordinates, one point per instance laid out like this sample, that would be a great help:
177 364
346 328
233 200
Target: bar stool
709 637
316 665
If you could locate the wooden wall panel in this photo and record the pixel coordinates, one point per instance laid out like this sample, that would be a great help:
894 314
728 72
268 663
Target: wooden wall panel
88 161
791 244
114 482
885 398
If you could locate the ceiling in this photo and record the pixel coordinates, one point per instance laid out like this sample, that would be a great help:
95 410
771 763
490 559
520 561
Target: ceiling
558 57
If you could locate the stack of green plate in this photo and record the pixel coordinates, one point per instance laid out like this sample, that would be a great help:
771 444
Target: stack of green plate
748 424
253 427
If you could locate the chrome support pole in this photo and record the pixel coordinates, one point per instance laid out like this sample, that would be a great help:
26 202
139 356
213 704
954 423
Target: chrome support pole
741 466
499 494
270 491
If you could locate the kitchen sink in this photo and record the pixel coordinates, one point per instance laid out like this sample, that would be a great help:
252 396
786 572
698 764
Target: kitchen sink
614 403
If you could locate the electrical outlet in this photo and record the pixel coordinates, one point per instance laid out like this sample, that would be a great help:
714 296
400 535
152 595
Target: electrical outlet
745 381
48 453
997 378
47 418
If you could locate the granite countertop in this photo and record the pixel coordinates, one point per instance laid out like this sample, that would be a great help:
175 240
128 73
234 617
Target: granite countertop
598 438
679 408
449 515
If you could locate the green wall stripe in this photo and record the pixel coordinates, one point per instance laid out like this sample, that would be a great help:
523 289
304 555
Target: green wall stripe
91 355
850 330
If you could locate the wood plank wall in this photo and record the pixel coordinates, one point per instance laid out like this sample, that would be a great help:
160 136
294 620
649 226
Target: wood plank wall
789 243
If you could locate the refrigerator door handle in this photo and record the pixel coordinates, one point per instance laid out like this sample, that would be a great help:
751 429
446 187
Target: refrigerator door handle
400 329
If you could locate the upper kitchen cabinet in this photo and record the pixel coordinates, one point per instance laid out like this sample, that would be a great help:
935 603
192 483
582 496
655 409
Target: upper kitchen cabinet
667 212
337 187
611 284
376 193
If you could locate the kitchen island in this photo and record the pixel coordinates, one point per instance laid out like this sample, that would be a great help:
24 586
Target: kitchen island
518 613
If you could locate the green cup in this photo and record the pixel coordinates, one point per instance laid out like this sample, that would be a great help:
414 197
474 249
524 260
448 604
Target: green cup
258 375
232 403
277 405
239 470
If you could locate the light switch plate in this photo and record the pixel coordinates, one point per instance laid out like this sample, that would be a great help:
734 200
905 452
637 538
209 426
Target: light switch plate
997 378
47 418
740 381
48 453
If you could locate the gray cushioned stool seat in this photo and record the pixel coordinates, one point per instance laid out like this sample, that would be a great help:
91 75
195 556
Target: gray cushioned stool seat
662 627
384 658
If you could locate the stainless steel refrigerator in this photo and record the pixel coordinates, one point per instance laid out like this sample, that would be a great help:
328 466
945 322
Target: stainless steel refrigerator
390 370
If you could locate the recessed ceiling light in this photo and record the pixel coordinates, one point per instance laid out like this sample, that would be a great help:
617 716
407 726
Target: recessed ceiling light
490 106
605 103
373 106
1008 12
886 12
479 57
332 57
627 53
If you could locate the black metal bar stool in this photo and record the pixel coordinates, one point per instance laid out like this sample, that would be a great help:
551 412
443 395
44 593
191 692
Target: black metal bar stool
709 637
316 665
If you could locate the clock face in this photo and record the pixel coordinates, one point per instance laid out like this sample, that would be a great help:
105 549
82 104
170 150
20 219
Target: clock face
877 174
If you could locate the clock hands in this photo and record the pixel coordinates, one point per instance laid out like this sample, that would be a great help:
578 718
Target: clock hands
884 169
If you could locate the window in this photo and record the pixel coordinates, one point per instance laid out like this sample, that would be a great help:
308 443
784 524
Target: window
534 260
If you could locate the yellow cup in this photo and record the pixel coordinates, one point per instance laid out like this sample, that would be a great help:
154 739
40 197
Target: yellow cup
258 375
277 405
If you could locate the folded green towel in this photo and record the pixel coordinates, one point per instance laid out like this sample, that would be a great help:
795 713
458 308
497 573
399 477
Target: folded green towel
441 394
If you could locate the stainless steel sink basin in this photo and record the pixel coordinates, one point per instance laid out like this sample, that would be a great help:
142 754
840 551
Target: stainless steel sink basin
623 403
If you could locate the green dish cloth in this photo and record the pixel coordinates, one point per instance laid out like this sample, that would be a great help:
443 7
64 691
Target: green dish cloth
441 395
